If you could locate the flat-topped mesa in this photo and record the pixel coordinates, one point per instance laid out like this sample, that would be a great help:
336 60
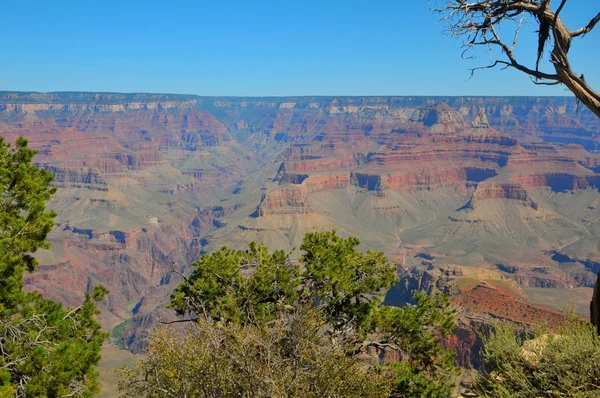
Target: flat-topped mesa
501 190
320 183
284 201
296 171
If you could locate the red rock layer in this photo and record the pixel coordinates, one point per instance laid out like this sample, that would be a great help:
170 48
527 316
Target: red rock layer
512 191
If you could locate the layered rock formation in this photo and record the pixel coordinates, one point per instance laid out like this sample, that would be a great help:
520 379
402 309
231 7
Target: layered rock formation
149 182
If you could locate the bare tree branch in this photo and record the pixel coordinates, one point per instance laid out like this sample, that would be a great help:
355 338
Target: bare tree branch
176 321
586 29
543 83
477 22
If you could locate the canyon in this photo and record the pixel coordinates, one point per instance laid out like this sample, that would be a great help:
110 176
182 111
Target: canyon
494 200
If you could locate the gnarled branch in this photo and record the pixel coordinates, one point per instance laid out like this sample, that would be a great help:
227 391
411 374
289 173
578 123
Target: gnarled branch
588 28
477 23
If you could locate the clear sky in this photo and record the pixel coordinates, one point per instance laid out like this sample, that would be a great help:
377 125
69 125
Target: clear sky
256 48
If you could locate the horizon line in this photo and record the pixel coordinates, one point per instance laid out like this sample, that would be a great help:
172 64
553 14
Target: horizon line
283 96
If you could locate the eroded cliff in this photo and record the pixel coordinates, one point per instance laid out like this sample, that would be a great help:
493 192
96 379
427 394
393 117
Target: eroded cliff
149 182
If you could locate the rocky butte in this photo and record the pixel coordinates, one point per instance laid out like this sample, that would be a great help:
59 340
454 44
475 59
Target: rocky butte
494 200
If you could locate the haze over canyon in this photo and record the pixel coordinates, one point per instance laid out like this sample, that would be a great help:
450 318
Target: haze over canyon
492 199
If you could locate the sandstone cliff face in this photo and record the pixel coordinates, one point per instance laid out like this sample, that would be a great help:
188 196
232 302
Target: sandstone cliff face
558 182
415 180
74 175
510 191
284 201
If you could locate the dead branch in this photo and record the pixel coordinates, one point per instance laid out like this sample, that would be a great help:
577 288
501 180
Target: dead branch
477 23
586 29
176 321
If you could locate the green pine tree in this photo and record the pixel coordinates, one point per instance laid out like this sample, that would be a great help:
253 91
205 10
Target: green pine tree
46 350
268 325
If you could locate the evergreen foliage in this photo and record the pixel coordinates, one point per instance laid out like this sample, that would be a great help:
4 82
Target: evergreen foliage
269 325
24 221
46 350
282 358
427 367
560 362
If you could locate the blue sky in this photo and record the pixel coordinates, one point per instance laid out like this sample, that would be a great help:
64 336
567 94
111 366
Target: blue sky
257 48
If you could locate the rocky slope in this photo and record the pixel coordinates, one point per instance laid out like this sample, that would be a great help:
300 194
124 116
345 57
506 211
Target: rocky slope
500 189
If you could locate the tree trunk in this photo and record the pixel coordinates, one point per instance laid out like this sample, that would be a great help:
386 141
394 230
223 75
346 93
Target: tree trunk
583 93
576 84
595 306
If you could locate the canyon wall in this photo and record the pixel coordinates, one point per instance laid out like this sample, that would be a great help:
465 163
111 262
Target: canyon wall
498 188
